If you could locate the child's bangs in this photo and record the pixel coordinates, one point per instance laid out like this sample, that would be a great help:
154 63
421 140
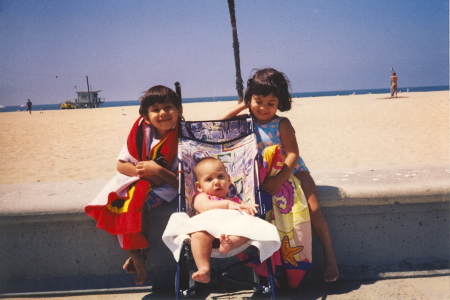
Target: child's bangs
161 99
264 89
161 95
158 95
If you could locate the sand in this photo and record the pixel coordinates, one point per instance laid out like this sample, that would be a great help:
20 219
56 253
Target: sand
359 131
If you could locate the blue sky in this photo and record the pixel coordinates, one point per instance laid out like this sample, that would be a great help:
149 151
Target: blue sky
47 47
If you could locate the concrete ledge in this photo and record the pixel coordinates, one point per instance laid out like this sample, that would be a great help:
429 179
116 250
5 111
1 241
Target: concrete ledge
387 221
49 244
356 187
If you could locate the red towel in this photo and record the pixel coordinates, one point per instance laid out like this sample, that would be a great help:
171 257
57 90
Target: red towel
123 215
163 153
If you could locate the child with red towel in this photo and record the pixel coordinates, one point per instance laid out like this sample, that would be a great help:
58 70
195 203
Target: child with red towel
147 168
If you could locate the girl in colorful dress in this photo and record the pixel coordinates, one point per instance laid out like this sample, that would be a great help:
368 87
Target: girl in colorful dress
146 176
267 92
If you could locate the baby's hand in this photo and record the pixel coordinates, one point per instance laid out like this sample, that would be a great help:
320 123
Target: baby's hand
247 208
250 209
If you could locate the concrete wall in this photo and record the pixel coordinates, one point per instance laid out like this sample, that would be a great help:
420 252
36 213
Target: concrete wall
49 244
383 223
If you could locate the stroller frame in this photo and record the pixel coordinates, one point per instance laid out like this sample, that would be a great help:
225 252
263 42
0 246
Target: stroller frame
184 285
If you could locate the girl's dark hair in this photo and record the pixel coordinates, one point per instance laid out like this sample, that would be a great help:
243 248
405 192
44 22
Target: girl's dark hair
158 94
266 81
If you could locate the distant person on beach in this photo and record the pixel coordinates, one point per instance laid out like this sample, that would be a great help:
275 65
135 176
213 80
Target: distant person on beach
267 92
147 166
29 105
394 80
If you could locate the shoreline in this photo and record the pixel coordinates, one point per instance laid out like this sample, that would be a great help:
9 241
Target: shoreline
333 132
55 106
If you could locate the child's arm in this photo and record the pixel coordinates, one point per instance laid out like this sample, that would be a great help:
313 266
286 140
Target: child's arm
287 134
156 174
126 168
202 203
232 111
150 170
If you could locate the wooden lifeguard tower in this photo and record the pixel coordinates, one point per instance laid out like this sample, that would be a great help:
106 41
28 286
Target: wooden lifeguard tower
89 99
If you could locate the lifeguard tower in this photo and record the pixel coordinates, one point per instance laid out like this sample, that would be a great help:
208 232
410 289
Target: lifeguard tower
89 99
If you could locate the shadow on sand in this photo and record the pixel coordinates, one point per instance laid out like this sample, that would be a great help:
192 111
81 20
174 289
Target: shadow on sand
390 98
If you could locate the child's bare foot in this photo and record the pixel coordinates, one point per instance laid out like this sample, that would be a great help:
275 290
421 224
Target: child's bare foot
225 244
330 272
128 266
202 275
141 270
136 264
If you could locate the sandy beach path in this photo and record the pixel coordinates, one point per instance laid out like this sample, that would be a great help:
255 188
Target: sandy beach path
360 131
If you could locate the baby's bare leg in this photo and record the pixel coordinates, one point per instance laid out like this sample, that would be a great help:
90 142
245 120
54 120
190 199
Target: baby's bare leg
230 242
201 245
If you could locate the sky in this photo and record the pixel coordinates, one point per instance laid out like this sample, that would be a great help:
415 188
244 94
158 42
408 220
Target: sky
48 47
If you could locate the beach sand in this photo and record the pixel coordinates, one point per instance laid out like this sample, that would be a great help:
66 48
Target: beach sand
360 131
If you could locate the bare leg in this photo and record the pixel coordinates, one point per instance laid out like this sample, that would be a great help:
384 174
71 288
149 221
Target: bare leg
128 266
230 242
319 225
201 245
139 265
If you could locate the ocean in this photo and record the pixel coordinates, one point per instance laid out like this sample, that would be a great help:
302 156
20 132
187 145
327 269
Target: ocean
37 107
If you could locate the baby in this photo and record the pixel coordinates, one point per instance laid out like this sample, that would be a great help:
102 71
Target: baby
213 183
230 221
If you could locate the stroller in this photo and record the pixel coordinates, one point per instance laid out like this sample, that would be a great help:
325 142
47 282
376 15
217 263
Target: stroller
232 141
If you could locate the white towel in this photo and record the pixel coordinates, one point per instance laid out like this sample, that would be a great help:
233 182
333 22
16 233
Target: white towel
261 234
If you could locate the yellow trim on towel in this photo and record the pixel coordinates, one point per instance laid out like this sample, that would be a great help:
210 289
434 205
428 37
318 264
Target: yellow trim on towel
124 208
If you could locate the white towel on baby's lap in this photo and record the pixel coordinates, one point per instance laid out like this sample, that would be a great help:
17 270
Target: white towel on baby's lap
260 233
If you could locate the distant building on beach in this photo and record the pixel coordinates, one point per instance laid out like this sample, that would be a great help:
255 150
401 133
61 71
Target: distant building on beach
89 99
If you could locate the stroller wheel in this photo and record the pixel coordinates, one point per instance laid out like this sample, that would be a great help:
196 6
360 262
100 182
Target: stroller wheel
263 284
185 281
191 281
256 280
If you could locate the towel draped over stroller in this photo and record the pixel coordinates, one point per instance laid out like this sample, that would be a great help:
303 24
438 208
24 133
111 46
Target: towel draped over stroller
290 214
261 234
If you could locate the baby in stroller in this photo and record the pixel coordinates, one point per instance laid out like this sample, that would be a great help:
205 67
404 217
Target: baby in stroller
213 184
211 213
218 217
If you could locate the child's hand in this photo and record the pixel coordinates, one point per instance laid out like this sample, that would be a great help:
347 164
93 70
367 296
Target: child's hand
248 208
271 185
149 170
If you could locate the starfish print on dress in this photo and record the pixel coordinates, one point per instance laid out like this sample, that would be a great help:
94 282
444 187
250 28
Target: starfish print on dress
288 252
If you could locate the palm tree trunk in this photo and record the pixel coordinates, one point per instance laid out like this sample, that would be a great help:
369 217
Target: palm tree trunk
237 60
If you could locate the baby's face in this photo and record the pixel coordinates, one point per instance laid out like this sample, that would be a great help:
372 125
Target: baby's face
213 179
